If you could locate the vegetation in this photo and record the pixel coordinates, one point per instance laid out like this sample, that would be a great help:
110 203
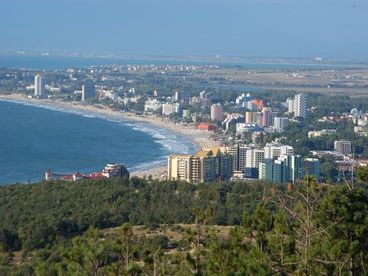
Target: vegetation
58 228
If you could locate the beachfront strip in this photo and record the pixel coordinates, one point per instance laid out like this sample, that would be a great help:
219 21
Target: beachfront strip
317 127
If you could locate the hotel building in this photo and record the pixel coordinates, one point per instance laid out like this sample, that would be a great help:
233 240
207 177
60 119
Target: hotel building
298 105
239 153
88 90
39 86
282 170
205 166
217 113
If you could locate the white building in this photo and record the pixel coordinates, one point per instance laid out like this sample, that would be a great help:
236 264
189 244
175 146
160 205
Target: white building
290 105
274 150
300 105
342 146
242 100
319 133
254 157
39 86
152 105
242 128
168 108
280 123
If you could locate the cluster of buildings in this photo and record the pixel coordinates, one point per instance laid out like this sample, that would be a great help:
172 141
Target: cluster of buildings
111 170
275 162
357 117
343 157
261 118
165 108
88 91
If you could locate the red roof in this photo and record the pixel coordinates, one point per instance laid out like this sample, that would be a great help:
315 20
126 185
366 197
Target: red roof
95 175
206 126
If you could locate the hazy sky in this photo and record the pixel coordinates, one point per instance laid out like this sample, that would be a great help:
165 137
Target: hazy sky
289 28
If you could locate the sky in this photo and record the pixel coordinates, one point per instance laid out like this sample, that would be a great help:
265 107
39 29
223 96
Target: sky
251 28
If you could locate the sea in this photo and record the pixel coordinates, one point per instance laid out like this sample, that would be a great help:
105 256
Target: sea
35 138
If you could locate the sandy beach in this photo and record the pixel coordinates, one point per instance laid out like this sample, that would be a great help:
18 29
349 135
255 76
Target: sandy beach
200 139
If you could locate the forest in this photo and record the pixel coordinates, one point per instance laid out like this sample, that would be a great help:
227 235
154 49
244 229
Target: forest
146 227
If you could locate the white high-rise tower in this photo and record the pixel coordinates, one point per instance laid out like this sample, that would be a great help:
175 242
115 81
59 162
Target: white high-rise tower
300 105
39 86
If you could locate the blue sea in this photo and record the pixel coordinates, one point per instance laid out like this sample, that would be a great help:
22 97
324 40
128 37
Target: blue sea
34 139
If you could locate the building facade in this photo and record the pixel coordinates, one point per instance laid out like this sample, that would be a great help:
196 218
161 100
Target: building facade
254 157
343 146
282 170
204 166
217 113
88 90
39 86
300 105
170 108
274 150
280 123
312 167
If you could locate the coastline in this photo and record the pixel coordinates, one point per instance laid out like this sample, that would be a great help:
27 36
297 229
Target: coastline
199 139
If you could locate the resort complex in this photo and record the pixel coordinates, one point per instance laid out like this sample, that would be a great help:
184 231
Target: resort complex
110 170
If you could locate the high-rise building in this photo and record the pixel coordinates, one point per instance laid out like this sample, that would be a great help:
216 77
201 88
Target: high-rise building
254 157
225 169
208 165
282 170
300 105
205 166
267 117
239 153
312 167
233 150
88 90
217 113
39 86
251 117
177 96
295 167
290 105
274 150
180 167
280 123
343 146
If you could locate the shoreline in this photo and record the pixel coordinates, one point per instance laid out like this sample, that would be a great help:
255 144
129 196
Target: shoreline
199 139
